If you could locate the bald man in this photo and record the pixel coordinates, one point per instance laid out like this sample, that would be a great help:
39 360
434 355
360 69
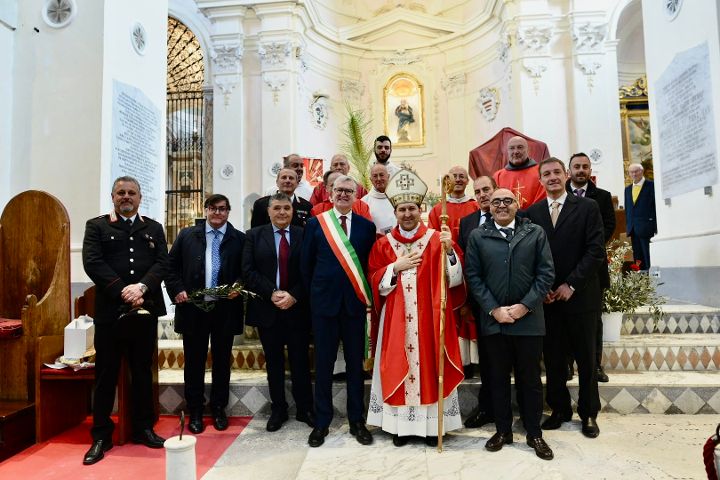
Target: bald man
382 211
338 163
520 175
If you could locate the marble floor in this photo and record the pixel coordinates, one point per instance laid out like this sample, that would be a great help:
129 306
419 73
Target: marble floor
629 447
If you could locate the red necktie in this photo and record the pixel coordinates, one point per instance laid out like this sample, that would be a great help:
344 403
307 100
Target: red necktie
343 223
283 257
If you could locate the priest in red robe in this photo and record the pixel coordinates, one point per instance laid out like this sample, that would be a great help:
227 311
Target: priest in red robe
404 270
460 205
520 175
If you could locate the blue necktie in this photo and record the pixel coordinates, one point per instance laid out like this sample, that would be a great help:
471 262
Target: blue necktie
215 259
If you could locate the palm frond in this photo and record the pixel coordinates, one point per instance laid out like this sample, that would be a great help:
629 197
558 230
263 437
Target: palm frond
356 146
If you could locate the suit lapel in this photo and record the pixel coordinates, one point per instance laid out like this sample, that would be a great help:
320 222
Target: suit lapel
567 209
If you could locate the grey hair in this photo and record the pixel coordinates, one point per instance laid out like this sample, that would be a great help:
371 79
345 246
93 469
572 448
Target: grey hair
279 197
344 178
126 178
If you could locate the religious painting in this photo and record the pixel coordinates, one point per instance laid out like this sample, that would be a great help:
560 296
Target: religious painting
313 170
635 126
404 111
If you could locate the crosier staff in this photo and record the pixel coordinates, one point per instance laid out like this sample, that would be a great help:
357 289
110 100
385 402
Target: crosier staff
446 189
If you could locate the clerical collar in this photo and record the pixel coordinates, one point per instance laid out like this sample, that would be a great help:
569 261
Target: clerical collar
409 233
462 199
509 225
560 200
375 194
529 162
209 228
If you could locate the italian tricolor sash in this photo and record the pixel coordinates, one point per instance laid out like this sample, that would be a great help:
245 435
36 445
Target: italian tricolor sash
346 255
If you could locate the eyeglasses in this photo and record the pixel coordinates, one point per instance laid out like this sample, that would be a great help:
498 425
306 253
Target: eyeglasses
218 209
507 201
344 191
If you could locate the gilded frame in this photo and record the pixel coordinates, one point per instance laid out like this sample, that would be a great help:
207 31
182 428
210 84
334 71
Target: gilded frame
404 111
635 127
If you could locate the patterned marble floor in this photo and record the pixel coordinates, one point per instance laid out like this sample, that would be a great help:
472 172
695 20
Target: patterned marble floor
629 446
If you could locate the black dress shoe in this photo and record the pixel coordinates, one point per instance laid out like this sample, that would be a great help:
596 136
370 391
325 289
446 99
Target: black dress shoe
276 421
541 448
361 433
220 420
555 420
496 442
148 438
590 427
196 424
306 417
399 441
477 419
317 437
431 441
97 451
602 376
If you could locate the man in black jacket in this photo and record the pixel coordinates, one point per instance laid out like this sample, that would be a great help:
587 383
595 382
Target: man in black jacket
125 254
271 268
204 256
579 184
287 182
575 231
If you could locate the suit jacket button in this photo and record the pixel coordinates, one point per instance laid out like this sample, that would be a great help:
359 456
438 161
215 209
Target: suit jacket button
132 272
131 238
132 260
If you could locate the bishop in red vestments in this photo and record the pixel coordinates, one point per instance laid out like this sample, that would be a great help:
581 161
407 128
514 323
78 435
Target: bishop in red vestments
404 270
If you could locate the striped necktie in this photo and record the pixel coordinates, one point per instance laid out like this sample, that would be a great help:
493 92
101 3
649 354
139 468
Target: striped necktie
215 258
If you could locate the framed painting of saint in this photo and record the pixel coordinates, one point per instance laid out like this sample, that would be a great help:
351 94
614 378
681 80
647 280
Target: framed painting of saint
404 111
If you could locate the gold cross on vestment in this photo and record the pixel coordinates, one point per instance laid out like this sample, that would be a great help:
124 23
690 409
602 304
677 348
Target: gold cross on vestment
518 194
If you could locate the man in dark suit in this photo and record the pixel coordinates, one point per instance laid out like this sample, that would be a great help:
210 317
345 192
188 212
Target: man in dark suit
287 182
484 186
271 268
125 254
640 220
574 229
205 256
335 251
579 184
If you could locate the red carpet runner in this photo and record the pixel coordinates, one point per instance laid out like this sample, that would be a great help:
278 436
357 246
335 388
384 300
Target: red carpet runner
60 458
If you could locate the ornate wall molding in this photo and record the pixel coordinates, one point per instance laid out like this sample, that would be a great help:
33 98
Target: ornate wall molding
401 57
589 67
535 39
352 90
275 55
275 81
535 69
488 103
454 85
588 37
319 110
227 66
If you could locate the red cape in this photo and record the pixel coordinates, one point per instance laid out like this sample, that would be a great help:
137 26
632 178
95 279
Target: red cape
491 156
525 184
394 363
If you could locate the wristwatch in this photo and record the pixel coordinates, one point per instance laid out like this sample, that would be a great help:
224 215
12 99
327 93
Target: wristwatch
143 288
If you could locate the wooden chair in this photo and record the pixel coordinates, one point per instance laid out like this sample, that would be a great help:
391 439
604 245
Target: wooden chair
34 302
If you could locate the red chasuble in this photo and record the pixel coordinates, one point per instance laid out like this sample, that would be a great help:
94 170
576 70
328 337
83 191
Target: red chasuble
455 212
525 184
394 361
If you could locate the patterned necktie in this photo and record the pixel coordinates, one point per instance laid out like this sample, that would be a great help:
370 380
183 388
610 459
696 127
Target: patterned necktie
508 233
215 258
635 192
343 223
579 192
283 257
555 212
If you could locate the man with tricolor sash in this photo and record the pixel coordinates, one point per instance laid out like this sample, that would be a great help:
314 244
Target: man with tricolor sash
405 277
334 258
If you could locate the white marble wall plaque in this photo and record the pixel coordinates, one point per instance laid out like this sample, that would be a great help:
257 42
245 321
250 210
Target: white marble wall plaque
136 145
685 123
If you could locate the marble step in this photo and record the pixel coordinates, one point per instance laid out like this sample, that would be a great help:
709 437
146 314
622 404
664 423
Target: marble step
660 352
676 319
626 393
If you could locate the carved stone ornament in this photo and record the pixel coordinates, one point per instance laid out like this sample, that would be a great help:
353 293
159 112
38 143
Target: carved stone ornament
319 111
59 13
226 58
275 169
275 82
637 89
401 57
589 67
488 103
535 70
535 39
226 84
672 8
138 38
588 37
595 156
275 54
454 85
352 90
227 171
504 48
